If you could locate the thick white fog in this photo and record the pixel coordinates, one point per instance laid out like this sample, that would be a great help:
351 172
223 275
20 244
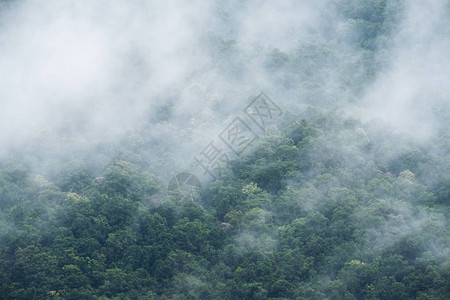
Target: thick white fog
93 67
104 104
415 82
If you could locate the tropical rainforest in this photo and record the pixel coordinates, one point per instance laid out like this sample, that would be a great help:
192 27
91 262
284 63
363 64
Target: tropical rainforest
345 196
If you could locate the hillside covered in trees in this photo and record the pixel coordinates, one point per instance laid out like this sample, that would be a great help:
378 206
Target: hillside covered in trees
345 196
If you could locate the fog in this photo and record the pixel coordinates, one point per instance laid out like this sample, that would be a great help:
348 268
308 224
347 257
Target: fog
414 84
92 68
78 75
97 69
87 83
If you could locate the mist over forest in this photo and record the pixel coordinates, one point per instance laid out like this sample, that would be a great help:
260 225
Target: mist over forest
225 149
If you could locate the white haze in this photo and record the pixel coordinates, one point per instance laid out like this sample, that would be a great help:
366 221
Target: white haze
96 66
96 69
416 81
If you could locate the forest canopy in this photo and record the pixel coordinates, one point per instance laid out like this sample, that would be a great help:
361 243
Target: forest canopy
345 196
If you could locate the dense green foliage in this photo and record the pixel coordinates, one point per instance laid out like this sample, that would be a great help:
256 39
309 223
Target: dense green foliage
302 226
323 206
